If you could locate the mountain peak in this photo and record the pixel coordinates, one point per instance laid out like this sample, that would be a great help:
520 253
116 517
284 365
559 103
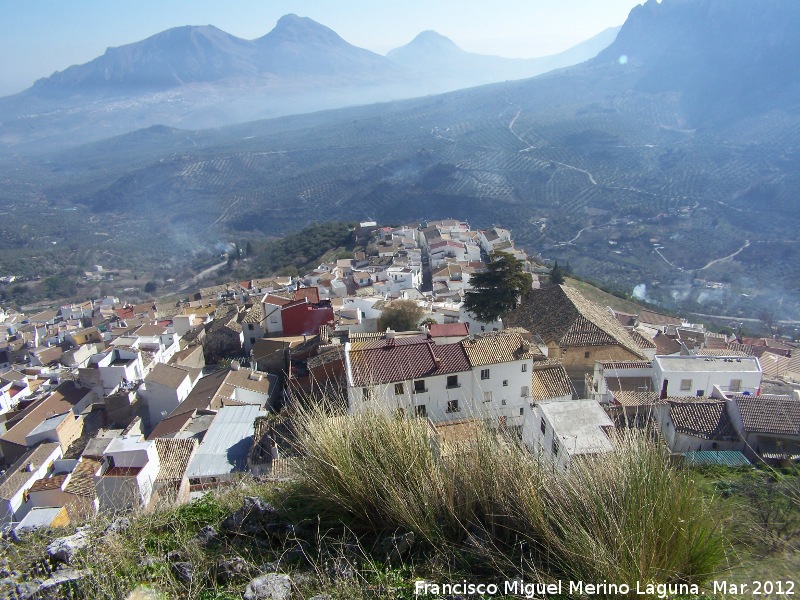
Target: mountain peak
429 36
423 44
292 27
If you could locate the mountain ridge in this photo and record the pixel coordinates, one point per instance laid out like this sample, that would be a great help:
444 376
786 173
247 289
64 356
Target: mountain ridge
197 77
572 160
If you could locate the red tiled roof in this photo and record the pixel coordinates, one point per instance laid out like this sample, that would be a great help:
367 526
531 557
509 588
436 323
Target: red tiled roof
48 483
122 472
374 363
172 424
448 329
653 318
276 300
309 293
632 364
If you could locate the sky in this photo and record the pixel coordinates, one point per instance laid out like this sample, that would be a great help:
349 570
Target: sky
39 37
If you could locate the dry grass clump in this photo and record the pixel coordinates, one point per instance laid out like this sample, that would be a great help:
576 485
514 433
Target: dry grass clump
628 516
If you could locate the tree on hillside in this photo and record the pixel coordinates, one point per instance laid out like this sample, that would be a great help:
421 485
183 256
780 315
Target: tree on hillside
497 290
401 315
556 275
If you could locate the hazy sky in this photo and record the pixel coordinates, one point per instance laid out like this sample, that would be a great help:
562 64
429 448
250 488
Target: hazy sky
38 37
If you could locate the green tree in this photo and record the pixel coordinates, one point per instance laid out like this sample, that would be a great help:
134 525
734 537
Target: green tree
556 275
401 315
150 287
497 290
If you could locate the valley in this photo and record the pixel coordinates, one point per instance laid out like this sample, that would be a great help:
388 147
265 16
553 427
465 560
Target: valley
630 182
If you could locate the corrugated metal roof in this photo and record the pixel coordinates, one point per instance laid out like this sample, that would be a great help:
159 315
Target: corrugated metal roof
726 458
226 443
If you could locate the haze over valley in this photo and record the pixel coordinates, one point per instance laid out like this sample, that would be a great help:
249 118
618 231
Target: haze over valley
666 164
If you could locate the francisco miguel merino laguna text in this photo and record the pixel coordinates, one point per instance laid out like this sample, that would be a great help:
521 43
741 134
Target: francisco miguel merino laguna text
538 589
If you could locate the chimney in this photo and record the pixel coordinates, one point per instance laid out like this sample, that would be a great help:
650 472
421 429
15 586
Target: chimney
438 362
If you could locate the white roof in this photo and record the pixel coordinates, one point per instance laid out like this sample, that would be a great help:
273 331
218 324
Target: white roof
700 364
578 425
39 516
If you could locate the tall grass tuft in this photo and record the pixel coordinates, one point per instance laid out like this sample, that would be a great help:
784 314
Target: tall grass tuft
623 517
373 470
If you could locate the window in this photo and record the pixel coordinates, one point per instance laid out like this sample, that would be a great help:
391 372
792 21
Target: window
366 394
452 406
505 382
250 326
524 391
556 446
484 373
419 386
701 393
586 354
524 367
543 426
487 396
421 410
503 402
252 340
736 385
686 385
452 381
398 389
521 410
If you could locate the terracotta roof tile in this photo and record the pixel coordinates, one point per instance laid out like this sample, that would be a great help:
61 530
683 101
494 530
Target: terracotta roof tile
167 375
630 398
659 320
562 315
769 414
254 315
550 381
48 483
175 455
172 424
376 361
82 481
642 341
707 420
500 347
448 330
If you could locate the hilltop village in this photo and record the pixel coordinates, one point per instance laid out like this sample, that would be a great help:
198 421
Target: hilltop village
107 406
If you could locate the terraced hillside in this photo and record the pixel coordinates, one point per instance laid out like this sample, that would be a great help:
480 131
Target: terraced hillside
586 164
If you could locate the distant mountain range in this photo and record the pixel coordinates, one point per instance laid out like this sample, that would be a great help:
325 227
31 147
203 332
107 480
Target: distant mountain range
196 77
671 159
433 55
